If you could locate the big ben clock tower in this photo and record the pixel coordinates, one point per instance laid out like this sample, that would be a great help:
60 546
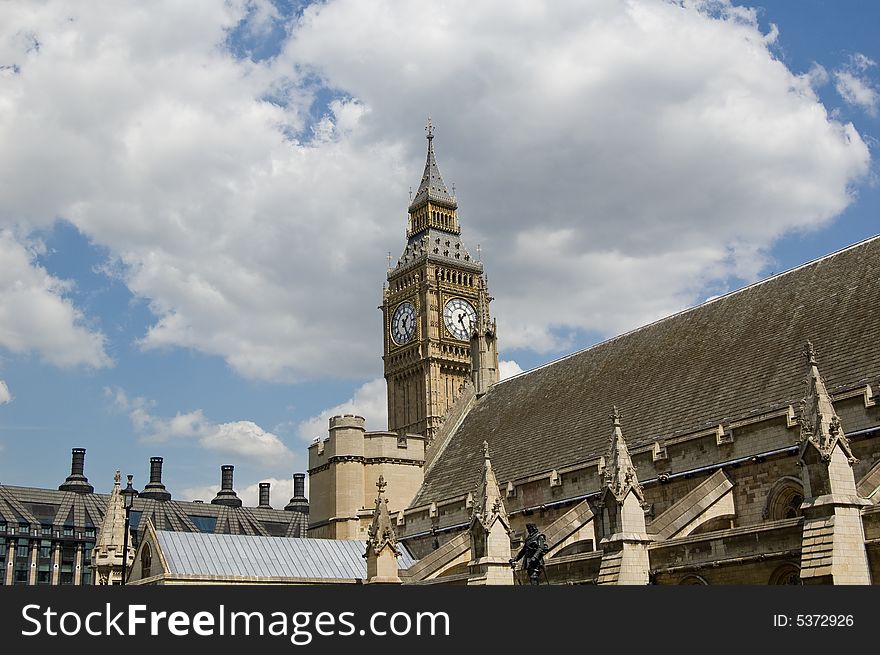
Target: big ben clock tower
435 300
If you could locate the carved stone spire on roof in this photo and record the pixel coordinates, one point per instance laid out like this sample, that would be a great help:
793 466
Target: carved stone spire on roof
107 556
819 424
382 551
488 504
381 531
620 474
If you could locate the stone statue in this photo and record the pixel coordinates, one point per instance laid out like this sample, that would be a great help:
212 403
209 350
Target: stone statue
532 553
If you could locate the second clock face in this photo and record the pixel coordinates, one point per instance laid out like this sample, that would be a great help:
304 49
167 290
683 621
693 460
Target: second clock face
403 323
460 318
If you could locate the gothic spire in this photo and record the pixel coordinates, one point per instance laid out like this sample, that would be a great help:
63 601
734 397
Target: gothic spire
620 474
488 505
432 188
107 556
820 425
381 531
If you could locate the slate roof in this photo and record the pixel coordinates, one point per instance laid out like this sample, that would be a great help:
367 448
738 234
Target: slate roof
66 508
439 246
243 555
736 356
432 186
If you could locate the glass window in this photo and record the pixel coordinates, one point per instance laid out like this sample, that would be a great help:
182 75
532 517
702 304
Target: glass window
134 517
23 551
2 527
3 549
44 576
45 549
66 577
46 530
204 523
21 576
68 531
24 528
87 577
90 533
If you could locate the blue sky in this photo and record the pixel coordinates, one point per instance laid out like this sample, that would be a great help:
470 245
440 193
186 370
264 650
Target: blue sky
200 200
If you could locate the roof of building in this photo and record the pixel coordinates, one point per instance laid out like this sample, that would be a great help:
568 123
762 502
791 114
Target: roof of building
228 556
727 359
432 186
440 246
86 510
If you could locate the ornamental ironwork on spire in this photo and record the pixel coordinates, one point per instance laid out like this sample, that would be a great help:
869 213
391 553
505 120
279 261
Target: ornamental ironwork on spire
432 188
819 423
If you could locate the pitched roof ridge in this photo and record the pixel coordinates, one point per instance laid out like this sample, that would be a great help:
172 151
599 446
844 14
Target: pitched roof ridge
695 307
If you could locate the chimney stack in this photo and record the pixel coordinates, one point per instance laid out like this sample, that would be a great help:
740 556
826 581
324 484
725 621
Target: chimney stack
226 495
299 502
77 482
264 495
155 489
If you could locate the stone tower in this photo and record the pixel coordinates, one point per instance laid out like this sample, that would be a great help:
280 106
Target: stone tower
435 297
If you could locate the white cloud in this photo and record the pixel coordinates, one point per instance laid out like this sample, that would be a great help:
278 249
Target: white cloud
5 396
507 369
853 85
243 439
369 400
35 315
624 155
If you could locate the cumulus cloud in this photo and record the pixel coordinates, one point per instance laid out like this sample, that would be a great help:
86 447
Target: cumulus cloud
5 396
625 155
369 400
507 369
37 316
853 85
243 439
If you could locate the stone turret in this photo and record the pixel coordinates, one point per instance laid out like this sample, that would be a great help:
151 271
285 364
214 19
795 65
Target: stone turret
489 532
625 544
382 551
833 550
107 556
484 346
226 495
77 482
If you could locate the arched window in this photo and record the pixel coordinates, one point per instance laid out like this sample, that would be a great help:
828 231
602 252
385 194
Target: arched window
693 580
784 499
787 574
146 561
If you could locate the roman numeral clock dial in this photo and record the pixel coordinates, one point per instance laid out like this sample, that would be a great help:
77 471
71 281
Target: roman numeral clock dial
403 323
460 318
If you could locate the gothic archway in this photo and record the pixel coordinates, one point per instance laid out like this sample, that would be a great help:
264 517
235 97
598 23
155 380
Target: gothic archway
787 574
784 499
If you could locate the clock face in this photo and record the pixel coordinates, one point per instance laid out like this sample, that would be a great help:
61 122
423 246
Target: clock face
403 323
460 318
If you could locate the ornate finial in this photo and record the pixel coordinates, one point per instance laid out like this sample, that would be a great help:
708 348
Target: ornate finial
453 189
810 353
479 252
117 478
429 128
615 416
410 194
381 484
388 257
485 450
130 478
